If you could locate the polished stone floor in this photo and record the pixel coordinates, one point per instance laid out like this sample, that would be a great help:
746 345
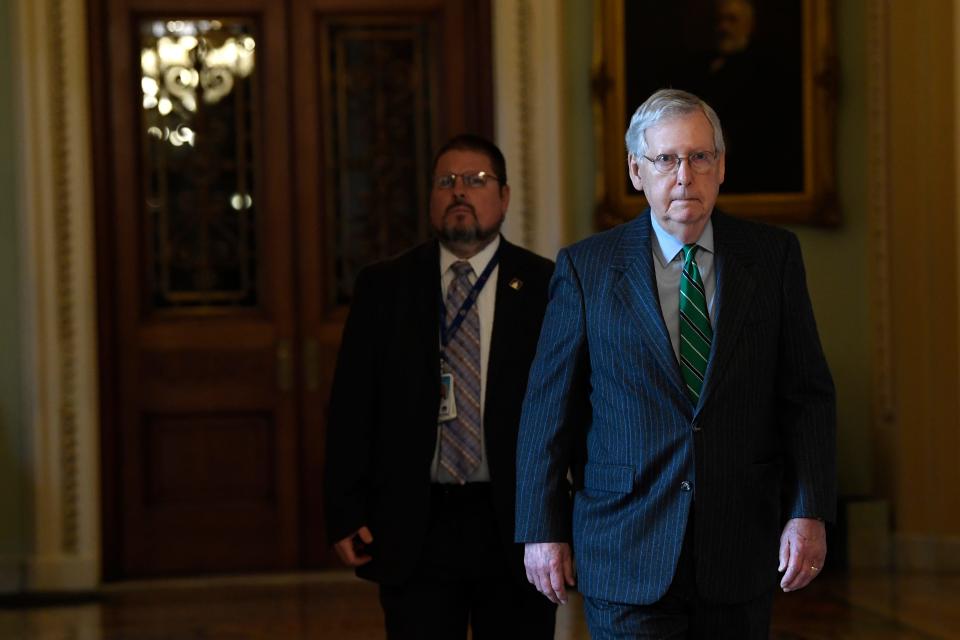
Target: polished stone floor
335 605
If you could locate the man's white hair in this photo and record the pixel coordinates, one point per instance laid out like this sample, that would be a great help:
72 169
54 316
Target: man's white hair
664 105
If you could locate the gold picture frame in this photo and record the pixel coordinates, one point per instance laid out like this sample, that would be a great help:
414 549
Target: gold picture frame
790 114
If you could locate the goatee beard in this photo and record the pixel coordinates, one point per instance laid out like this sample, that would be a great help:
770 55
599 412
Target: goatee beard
467 240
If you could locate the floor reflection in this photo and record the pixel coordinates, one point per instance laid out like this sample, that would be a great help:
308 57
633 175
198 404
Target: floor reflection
336 605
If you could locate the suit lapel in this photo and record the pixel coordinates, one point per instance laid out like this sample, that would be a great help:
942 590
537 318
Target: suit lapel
637 291
507 307
735 288
425 286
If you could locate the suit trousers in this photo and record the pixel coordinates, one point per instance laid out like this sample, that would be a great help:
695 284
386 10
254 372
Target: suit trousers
465 578
681 613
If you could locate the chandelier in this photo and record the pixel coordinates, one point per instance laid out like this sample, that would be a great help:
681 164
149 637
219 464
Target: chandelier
188 63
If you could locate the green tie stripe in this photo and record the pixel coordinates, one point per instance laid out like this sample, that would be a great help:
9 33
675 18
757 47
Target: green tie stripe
696 334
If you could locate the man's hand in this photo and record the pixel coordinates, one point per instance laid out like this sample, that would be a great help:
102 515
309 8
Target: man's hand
351 548
550 569
803 548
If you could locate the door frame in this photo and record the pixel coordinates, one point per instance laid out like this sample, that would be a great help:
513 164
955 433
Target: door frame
57 438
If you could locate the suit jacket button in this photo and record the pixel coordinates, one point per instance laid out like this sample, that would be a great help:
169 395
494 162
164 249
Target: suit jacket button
685 486
697 428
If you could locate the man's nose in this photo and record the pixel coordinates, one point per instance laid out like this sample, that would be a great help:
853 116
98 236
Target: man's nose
684 171
459 187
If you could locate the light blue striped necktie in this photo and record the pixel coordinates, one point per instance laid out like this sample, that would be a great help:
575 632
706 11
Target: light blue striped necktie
460 437
696 334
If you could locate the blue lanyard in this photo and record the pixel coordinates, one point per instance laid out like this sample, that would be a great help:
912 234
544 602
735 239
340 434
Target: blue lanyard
447 333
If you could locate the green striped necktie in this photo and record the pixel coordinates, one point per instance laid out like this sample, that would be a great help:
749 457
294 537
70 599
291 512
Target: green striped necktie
695 330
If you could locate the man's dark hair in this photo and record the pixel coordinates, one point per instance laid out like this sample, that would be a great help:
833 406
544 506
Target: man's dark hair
472 142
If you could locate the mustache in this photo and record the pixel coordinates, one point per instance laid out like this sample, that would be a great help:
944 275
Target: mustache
460 202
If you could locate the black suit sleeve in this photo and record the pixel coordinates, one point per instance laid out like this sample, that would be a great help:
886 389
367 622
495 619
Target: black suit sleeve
807 405
352 416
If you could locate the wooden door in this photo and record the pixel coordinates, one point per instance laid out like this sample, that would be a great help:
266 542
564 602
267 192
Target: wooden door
386 83
253 155
205 422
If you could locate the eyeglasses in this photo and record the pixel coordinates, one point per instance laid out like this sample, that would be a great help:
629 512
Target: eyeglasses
700 162
476 180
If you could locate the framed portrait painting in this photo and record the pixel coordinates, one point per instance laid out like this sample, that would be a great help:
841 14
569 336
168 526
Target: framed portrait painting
767 67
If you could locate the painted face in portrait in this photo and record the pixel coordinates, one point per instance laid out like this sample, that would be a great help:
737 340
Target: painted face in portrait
734 25
682 199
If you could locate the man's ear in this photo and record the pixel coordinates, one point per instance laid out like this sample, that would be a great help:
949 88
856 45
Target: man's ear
504 198
633 169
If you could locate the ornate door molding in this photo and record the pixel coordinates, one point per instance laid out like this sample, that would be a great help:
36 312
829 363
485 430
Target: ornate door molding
61 425
529 127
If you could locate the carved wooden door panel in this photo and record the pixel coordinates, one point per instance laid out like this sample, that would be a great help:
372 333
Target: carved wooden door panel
387 81
252 156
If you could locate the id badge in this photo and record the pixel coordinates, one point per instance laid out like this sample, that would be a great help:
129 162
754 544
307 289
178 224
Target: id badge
448 402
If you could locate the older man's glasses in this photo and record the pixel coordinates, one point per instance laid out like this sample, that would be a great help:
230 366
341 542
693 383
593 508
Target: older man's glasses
700 162
476 180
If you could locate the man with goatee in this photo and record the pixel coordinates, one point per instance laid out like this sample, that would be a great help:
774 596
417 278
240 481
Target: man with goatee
420 476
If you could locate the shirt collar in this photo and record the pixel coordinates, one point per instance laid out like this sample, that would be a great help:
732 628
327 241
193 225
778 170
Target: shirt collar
668 247
478 262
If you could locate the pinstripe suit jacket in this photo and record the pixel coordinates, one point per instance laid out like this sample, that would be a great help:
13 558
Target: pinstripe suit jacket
606 400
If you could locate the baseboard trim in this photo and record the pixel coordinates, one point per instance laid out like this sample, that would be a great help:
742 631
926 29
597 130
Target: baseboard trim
48 599
62 574
869 543
11 575
924 552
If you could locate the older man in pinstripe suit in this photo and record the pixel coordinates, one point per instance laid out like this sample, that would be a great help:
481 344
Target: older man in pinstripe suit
680 378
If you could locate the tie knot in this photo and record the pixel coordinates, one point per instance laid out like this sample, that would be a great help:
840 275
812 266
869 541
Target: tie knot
462 268
689 251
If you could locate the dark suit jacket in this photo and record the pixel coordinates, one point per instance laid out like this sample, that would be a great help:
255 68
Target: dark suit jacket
606 397
386 394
